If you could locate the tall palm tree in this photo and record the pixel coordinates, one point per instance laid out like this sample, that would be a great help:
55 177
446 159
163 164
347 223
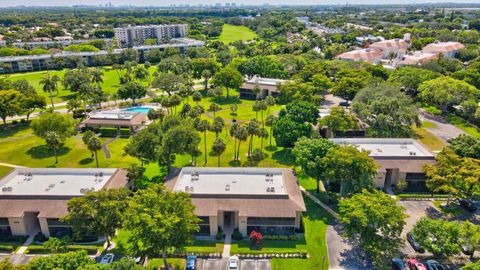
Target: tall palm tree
97 76
203 125
49 85
94 144
241 135
140 73
53 140
233 131
55 80
218 148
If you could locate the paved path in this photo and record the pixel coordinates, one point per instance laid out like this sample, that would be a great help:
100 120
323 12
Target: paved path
11 165
105 148
25 245
443 130
228 241
317 201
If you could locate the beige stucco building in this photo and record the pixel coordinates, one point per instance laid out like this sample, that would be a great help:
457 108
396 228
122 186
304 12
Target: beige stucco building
33 200
268 200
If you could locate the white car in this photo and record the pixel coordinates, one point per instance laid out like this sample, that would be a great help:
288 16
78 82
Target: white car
107 258
233 263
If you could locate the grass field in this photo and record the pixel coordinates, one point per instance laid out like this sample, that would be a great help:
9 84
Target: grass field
463 125
231 33
110 84
176 263
5 170
427 138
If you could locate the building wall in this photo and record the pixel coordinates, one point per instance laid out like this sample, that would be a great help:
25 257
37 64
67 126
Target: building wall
44 226
213 225
242 225
17 226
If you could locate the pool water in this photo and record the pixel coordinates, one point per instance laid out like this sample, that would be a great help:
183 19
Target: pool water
138 109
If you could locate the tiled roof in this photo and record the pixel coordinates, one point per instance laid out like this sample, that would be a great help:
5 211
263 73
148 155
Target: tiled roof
443 47
391 43
363 54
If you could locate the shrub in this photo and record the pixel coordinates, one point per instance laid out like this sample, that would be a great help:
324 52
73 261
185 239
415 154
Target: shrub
237 235
400 186
14 122
220 234
256 238
40 237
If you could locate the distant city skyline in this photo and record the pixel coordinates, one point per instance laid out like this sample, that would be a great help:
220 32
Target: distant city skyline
8 3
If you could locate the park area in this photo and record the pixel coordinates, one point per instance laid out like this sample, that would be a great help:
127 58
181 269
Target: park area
231 33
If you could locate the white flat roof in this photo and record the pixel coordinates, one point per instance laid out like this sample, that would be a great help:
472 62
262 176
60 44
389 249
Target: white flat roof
387 147
116 114
54 182
231 181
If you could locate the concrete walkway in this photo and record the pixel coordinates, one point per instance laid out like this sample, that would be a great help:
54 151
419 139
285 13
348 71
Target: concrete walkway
25 245
11 165
105 149
317 201
228 241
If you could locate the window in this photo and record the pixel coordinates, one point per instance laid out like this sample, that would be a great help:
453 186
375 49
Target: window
270 221
5 230
271 230
204 225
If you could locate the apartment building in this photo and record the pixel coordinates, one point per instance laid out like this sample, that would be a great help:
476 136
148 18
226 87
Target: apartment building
448 49
136 35
373 56
267 200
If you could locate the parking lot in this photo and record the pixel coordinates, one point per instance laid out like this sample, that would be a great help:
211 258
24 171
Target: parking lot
221 264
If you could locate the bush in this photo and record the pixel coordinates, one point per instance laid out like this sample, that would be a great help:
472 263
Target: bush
14 122
220 234
40 237
13 238
329 198
237 235
400 186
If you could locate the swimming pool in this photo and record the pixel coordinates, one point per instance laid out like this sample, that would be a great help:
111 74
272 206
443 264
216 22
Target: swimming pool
138 109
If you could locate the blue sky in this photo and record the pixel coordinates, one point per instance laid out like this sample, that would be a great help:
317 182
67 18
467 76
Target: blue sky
4 3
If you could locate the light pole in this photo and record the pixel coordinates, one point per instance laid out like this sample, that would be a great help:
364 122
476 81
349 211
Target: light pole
323 261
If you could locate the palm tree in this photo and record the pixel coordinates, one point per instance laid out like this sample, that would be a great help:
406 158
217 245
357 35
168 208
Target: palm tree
94 144
49 85
86 137
218 148
203 125
217 126
140 73
53 140
214 107
241 135
97 76
269 122
233 131
55 80
252 129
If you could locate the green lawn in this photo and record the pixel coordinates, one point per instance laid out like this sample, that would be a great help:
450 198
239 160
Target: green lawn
110 84
463 125
205 246
178 264
453 209
432 142
231 33
5 170
315 220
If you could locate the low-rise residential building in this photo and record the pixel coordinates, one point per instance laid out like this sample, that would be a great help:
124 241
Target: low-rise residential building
265 87
448 49
417 58
362 41
12 64
267 200
115 119
33 200
392 48
398 159
369 55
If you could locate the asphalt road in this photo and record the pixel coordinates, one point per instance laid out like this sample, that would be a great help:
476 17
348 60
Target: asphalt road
342 253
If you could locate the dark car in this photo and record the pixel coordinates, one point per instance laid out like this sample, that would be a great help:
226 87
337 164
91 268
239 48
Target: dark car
434 265
344 103
398 264
468 205
191 261
467 250
414 243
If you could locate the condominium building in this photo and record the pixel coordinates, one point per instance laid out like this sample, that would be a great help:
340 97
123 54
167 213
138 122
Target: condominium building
34 200
372 56
267 200
448 49
136 35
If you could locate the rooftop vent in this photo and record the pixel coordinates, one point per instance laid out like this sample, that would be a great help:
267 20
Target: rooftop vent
227 187
51 186
62 182
186 189
270 189
83 190
7 189
191 189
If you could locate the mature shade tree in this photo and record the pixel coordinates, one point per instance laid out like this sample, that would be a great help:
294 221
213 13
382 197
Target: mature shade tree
309 154
74 79
441 237
286 131
465 146
176 64
98 211
339 120
94 144
353 169
204 68
54 128
50 84
229 78
31 102
302 112
97 76
293 90
11 102
389 112
374 220
159 221
349 82
445 92
73 105
156 114
470 236
454 175
410 78
263 66
170 82
132 90
218 148
181 139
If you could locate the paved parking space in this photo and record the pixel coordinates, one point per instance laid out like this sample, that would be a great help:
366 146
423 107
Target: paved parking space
221 264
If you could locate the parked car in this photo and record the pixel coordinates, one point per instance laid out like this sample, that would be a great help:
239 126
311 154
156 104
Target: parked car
191 262
107 258
414 243
344 103
467 205
434 265
233 263
413 264
398 264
